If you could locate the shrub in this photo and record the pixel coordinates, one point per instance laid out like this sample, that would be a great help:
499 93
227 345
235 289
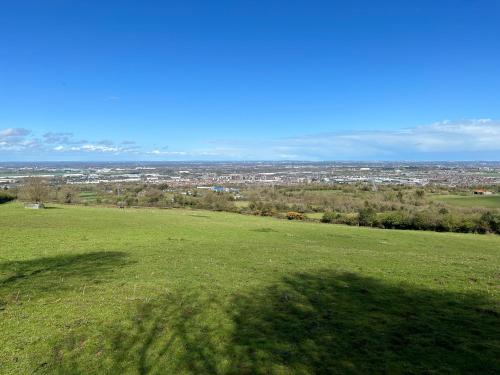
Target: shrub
68 194
424 220
150 196
446 223
443 210
466 225
6 197
490 222
348 219
217 202
35 190
292 215
330 217
395 220
367 217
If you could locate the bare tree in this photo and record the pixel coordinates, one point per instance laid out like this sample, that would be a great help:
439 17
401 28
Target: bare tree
35 190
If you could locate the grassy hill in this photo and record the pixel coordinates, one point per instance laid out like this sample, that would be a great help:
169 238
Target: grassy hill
149 291
485 201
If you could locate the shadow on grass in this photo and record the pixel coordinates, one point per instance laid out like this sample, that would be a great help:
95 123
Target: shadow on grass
322 323
39 277
264 230
344 323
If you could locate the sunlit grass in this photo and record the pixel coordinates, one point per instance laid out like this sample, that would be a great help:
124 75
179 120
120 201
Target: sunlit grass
135 291
486 201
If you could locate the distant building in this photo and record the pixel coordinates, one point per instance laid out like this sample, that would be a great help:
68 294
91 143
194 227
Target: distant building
482 192
34 206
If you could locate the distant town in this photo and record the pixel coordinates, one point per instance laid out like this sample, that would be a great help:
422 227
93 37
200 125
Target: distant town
227 174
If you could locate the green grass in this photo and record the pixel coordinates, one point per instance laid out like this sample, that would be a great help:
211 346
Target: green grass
486 201
241 204
315 215
147 291
88 196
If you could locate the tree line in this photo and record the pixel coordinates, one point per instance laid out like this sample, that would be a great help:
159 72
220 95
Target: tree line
389 207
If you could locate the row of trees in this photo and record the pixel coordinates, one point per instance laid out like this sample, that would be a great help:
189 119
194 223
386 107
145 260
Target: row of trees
342 199
37 190
34 190
389 207
394 207
440 220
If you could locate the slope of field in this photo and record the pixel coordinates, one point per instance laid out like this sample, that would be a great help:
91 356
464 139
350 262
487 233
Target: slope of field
100 290
486 201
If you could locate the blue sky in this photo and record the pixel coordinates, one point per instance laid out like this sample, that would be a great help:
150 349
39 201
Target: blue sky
250 80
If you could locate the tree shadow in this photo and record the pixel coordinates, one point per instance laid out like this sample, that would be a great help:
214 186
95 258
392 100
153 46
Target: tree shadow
314 323
42 276
174 334
329 323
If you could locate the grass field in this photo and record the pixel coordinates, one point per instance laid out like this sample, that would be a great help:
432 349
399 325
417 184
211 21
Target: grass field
486 201
149 291
315 215
241 204
88 196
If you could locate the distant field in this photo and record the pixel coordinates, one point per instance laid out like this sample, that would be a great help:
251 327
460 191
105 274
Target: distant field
488 201
88 196
89 290
326 191
314 215
241 204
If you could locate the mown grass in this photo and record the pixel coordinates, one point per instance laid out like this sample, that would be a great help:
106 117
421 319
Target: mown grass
88 196
315 215
241 204
482 201
149 291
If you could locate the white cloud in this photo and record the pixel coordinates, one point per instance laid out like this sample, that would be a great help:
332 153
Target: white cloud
19 140
174 153
467 139
16 139
52 137
13 132
461 139
98 148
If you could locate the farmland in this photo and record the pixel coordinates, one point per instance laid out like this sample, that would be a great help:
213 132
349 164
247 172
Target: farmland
136 291
486 201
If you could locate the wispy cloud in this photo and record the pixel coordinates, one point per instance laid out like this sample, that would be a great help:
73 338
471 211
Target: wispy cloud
97 148
52 137
13 132
16 139
167 153
467 139
20 140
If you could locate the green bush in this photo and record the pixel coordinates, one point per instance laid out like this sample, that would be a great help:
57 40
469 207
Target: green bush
395 220
367 217
349 219
424 220
330 217
6 197
466 225
490 222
